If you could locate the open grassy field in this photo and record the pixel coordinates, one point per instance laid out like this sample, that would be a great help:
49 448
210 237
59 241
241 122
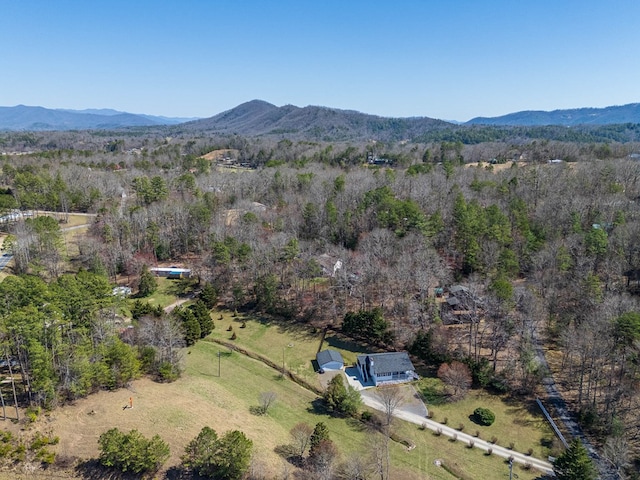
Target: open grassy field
517 422
222 391
179 410
163 296
295 345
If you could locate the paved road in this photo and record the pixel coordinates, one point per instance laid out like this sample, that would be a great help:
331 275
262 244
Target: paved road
369 398
415 411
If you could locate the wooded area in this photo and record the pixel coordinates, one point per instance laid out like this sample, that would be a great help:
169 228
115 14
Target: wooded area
308 231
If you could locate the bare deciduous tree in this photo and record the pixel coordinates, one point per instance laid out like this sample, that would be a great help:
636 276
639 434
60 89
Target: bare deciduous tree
391 398
266 400
301 436
457 377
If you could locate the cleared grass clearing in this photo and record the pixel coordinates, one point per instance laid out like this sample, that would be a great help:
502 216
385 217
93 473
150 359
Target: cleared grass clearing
277 341
178 411
517 422
295 344
162 296
268 338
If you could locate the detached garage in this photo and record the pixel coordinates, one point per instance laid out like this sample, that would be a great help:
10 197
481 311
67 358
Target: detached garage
329 360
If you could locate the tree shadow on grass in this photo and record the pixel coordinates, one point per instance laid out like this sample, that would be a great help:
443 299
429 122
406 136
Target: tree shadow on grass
318 407
92 469
357 425
179 473
432 395
289 453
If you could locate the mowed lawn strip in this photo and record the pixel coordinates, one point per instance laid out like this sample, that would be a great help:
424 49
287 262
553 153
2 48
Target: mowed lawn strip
269 338
466 463
516 421
295 345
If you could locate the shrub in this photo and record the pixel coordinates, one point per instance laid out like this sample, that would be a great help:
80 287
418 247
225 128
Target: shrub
484 416
445 420
234 336
454 437
471 443
132 452
494 440
489 451
438 431
423 426
511 445
530 451
461 426
477 434
32 414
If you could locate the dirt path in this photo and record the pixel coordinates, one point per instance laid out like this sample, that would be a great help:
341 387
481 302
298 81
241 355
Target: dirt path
554 397
169 308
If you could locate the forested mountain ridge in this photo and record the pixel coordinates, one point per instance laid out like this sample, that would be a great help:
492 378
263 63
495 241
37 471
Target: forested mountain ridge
629 113
318 123
258 118
22 117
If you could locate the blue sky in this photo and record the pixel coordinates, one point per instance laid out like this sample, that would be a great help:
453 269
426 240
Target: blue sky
448 59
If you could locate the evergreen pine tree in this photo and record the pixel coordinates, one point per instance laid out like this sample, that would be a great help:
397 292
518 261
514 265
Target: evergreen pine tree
575 463
148 283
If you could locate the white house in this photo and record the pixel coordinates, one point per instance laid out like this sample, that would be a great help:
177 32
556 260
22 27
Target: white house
329 360
378 368
171 272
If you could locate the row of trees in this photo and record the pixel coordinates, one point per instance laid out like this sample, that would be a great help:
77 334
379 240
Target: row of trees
223 458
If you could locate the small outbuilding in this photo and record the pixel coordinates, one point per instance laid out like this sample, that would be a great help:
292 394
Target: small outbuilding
171 272
329 360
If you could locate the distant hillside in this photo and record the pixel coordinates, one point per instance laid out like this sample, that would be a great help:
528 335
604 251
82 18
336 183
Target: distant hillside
320 123
579 116
23 117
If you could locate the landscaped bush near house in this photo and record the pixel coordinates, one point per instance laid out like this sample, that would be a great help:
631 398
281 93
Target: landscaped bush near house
484 416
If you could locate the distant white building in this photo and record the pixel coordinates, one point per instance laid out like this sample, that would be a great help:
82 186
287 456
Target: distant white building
121 291
171 272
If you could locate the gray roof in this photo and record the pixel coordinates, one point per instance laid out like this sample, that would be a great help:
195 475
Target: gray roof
389 362
453 301
327 356
458 289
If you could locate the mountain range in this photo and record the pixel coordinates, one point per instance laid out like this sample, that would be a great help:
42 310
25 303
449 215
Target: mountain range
22 117
577 116
258 117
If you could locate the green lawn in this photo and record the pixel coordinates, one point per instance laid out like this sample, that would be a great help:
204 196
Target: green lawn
242 380
270 339
277 341
164 295
517 422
